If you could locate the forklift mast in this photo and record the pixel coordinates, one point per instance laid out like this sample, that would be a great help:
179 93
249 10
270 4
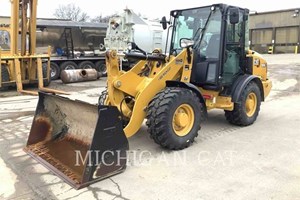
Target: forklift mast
23 17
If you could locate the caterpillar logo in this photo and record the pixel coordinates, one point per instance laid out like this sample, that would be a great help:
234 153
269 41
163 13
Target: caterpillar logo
179 62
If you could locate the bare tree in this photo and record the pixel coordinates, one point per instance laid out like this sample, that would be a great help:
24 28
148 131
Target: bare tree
101 19
72 12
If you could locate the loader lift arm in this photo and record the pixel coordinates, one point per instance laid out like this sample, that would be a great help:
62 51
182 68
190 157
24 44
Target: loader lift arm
144 87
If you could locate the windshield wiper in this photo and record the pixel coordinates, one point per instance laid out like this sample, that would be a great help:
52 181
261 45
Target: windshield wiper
201 33
194 37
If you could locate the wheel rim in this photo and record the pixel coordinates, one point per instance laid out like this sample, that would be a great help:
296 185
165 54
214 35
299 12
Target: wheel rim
87 66
52 72
69 67
102 68
251 104
183 120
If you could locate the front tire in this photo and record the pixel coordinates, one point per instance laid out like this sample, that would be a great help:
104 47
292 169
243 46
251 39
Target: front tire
4 76
173 118
246 111
4 73
48 80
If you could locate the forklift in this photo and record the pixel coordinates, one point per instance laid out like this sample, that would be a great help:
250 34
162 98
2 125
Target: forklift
20 64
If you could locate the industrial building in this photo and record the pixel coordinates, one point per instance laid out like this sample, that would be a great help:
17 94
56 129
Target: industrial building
275 31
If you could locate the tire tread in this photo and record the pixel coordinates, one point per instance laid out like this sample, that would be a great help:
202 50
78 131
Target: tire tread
157 116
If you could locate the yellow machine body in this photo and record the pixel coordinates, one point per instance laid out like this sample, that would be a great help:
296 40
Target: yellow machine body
172 91
144 88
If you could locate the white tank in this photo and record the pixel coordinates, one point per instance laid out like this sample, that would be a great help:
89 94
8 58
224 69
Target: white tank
129 27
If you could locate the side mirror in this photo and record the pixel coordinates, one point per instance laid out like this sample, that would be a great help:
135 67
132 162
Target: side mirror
164 22
234 15
185 42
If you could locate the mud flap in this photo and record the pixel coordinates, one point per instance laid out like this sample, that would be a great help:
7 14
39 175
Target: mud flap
79 142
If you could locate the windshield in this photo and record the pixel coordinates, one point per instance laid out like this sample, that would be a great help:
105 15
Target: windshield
4 40
192 23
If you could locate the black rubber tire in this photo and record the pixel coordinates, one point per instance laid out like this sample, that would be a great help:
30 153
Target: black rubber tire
160 117
68 65
45 82
4 73
238 116
44 70
86 65
54 71
100 66
102 97
4 77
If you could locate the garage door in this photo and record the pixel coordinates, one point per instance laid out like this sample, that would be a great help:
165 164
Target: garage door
287 35
262 36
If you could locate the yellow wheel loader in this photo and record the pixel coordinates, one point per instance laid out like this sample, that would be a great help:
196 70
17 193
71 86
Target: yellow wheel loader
208 66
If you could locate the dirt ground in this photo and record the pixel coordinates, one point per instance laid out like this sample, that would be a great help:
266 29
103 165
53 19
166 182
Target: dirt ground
226 162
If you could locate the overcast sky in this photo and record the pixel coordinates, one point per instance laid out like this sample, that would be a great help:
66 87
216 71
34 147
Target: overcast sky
148 8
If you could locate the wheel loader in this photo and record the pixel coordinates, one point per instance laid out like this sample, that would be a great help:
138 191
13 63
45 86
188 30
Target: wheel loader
208 66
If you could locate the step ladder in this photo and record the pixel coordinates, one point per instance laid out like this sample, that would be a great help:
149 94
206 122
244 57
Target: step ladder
69 42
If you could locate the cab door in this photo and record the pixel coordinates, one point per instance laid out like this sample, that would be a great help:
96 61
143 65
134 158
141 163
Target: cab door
235 46
207 53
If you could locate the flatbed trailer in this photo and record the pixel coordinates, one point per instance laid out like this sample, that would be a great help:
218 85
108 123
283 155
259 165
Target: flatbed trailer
75 45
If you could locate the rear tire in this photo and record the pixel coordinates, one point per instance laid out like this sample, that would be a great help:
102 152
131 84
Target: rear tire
68 65
54 71
173 118
100 66
246 111
86 65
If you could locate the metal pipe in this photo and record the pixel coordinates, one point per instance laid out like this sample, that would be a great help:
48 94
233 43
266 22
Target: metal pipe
79 75
139 56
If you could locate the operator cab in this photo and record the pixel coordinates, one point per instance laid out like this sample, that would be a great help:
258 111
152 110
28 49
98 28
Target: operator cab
220 42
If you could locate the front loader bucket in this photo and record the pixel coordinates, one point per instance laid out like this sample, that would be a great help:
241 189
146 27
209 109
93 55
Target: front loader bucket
80 142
